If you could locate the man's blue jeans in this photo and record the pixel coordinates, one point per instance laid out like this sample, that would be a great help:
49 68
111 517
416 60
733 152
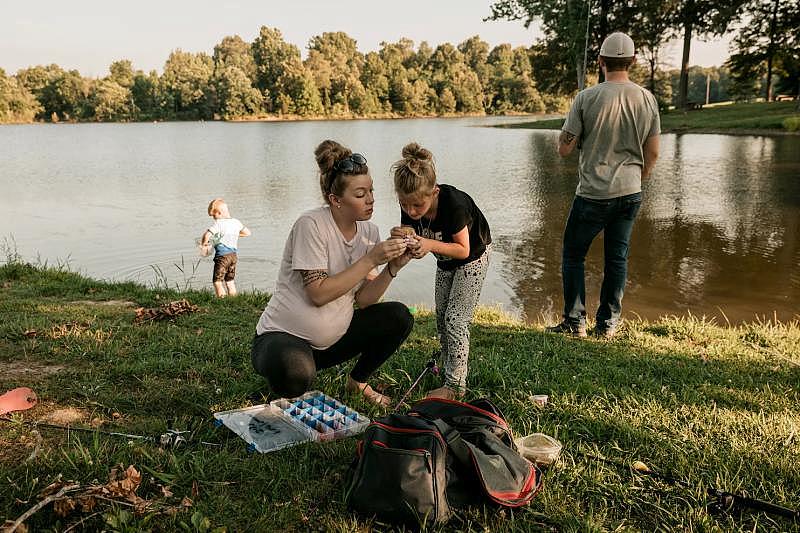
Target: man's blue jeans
586 219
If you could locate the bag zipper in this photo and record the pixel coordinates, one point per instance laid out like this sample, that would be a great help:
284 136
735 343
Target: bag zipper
502 423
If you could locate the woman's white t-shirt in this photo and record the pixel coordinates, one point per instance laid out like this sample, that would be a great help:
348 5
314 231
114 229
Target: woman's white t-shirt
315 243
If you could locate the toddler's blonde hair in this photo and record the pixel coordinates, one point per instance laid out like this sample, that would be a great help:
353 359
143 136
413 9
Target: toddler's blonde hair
216 206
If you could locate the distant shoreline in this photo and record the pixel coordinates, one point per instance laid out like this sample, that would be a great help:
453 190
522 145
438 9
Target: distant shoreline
293 118
763 118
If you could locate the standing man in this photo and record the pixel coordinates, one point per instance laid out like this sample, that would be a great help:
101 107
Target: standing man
615 126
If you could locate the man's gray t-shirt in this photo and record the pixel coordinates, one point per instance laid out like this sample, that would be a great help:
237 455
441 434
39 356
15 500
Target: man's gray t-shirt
612 121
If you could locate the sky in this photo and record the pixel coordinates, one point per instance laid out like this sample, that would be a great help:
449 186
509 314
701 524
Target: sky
88 35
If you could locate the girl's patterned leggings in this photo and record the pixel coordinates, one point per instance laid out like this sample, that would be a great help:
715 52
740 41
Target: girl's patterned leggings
457 294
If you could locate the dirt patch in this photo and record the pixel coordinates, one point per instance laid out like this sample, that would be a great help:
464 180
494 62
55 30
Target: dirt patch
105 303
64 417
22 370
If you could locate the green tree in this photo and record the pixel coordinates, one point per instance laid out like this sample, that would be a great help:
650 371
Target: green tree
147 96
187 81
233 51
511 86
338 55
476 55
66 97
234 79
279 72
449 70
17 103
110 102
766 43
375 79
62 94
297 92
700 18
564 25
447 102
236 95
122 73
651 27
715 80
400 90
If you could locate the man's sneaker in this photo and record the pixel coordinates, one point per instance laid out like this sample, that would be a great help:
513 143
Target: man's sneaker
568 329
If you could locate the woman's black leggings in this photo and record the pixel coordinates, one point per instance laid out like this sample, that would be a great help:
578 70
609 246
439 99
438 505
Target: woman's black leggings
290 364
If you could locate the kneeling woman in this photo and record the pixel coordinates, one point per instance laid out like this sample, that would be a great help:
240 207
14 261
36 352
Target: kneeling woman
329 264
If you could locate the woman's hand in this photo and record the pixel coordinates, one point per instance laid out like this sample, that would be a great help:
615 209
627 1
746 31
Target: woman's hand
385 251
400 262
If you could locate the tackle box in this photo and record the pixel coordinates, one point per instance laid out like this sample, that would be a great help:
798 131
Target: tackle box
314 416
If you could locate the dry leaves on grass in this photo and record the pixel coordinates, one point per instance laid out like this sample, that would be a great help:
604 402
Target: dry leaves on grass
69 329
121 488
167 311
60 330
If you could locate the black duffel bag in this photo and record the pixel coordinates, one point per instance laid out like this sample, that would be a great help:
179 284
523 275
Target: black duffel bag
443 454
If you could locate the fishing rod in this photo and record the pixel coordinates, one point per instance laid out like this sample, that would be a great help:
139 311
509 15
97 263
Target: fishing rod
429 367
172 438
722 502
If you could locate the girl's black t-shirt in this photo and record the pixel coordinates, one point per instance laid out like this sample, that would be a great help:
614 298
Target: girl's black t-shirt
455 211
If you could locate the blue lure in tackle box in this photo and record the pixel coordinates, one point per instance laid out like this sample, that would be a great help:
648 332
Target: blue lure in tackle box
314 416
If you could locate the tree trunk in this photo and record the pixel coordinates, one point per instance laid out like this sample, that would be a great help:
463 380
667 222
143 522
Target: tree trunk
604 8
771 48
652 62
581 74
683 88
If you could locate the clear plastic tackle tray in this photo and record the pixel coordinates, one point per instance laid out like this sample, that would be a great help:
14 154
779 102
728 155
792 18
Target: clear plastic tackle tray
314 416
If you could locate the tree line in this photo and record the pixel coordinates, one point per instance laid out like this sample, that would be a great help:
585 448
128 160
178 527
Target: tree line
268 77
765 52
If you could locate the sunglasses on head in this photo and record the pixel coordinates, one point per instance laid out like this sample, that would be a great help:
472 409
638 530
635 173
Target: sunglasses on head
350 163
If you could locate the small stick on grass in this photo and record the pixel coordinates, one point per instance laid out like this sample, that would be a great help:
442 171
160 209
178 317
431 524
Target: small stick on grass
33 510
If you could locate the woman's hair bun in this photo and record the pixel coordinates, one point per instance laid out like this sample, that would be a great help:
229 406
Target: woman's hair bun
415 151
328 153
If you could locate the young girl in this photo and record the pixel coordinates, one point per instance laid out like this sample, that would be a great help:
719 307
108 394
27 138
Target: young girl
449 224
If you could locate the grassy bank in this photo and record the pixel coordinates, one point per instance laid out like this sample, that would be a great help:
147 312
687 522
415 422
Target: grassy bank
712 405
757 118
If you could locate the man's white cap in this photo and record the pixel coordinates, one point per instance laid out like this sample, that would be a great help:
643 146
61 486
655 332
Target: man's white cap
617 45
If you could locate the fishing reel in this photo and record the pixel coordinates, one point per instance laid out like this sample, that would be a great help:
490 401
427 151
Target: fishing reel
173 438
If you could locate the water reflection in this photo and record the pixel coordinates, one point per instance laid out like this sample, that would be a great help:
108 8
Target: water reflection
718 230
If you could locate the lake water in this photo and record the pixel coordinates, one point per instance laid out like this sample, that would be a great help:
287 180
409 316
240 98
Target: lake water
719 230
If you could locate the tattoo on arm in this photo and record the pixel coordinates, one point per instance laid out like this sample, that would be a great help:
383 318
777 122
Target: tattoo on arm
310 276
566 137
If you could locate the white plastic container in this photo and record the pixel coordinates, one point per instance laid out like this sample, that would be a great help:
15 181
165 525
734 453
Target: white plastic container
314 416
539 448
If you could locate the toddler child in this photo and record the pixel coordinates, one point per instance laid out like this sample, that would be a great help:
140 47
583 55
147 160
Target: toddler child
224 235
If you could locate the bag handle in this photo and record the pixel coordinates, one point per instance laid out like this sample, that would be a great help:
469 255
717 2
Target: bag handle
454 441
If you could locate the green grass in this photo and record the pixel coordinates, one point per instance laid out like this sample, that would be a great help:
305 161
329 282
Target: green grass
709 404
722 118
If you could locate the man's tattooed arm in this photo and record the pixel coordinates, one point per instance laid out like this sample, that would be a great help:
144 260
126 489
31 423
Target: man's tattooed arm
310 276
566 143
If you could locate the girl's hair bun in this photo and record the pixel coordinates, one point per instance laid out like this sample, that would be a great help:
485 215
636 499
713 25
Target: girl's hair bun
415 151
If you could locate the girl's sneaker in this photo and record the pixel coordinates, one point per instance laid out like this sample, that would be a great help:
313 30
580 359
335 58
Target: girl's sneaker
445 393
